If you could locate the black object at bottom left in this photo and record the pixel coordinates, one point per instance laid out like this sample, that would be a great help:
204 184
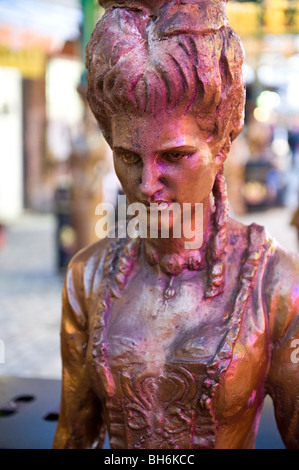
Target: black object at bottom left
28 412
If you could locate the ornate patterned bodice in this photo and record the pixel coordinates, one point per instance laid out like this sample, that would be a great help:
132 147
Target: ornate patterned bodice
185 400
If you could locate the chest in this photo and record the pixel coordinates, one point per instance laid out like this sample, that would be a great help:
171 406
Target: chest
156 363
145 328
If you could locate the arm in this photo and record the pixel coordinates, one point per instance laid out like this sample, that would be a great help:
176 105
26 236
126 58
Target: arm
80 422
282 299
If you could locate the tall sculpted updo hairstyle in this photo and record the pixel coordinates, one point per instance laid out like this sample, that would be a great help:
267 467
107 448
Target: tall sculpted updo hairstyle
149 55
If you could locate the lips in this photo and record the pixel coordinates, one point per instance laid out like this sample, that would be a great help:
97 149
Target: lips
161 205
156 205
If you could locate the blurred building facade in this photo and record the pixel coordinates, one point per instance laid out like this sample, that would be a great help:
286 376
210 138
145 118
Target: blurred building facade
262 169
52 156
33 34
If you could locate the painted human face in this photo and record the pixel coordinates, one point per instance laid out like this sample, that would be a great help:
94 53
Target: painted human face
163 159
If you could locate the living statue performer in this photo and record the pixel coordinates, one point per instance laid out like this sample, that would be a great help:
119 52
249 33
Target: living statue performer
163 345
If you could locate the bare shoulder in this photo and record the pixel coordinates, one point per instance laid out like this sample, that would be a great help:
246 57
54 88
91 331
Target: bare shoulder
236 235
281 290
90 256
84 274
237 228
282 271
280 274
241 236
234 224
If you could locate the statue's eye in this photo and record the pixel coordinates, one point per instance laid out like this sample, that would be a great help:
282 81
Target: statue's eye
175 156
128 157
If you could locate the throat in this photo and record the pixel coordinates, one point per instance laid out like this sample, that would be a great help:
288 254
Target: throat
173 254
173 262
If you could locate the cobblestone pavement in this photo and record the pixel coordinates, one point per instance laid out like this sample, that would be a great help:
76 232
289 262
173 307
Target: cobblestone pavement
30 299
30 291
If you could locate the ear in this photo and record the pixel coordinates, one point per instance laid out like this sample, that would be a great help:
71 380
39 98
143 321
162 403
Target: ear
223 152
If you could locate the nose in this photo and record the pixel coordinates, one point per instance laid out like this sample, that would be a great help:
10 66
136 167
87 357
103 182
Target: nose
151 180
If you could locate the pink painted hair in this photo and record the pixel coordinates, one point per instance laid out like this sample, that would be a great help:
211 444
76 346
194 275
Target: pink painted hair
181 55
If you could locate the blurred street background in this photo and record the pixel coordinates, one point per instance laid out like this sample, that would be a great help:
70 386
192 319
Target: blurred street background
55 166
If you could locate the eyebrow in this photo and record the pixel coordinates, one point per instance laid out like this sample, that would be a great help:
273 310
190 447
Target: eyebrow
177 148
124 149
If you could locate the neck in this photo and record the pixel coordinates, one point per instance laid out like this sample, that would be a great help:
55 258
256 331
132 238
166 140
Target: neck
183 252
